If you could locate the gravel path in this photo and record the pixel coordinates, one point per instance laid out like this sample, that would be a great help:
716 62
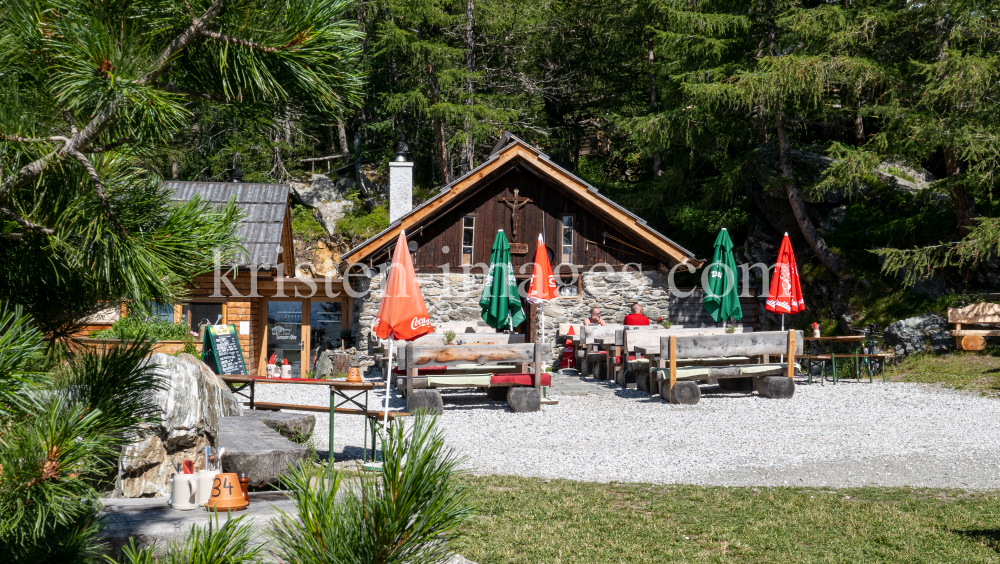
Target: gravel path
835 436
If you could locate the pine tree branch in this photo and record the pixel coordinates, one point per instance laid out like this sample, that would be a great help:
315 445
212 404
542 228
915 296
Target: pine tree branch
109 147
237 41
25 223
82 139
98 187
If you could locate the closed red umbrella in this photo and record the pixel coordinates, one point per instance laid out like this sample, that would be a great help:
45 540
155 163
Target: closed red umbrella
402 313
785 294
543 283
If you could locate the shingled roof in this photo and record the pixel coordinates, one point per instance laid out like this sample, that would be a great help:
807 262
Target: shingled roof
263 204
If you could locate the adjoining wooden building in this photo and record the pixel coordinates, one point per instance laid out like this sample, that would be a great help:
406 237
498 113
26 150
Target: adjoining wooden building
617 256
274 312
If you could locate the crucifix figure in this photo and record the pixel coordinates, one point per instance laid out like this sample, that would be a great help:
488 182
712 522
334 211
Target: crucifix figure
514 204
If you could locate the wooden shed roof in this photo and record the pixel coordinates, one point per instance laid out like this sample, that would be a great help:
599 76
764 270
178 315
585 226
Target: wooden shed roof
265 206
511 151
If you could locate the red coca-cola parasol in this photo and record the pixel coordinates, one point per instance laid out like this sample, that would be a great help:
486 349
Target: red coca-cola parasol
543 283
785 294
402 313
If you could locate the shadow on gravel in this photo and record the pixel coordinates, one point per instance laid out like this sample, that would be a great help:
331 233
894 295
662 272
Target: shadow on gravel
471 401
989 537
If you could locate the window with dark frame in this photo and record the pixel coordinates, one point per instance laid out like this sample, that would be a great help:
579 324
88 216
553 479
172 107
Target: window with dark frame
468 237
567 239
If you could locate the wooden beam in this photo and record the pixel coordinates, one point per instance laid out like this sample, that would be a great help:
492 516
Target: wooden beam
453 355
672 351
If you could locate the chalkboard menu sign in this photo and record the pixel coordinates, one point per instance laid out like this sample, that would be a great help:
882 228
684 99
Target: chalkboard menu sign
221 351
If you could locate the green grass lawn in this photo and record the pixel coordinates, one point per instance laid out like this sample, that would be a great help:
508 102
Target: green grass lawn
961 370
534 521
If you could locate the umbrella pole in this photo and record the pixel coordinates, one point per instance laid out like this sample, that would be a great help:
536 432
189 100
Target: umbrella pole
782 330
385 400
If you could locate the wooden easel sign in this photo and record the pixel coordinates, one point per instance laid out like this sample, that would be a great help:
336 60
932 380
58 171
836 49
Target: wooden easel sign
220 350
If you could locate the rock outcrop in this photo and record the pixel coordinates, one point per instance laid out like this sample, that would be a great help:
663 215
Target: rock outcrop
191 404
319 189
927 332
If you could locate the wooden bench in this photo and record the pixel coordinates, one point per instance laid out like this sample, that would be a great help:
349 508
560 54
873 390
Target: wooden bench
645 344
452 361
437 339
978 314
679 384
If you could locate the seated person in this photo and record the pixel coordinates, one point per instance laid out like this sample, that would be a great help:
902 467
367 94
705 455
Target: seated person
636 317
595 318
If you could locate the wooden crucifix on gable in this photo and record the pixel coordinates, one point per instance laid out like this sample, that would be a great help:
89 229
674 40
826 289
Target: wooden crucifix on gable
515 204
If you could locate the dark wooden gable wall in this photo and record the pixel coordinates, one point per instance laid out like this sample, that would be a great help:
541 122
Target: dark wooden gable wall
542 215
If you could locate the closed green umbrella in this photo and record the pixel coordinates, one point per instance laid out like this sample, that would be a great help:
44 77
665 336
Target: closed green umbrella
500 302
721 298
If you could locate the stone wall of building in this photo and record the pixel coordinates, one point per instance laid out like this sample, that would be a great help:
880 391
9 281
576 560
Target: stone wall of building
455 297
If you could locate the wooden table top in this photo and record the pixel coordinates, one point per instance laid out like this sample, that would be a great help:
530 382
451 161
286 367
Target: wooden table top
340 384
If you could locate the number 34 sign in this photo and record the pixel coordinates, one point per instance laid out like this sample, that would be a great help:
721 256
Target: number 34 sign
227 493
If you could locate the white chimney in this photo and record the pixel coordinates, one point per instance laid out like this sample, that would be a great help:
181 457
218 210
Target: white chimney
400 184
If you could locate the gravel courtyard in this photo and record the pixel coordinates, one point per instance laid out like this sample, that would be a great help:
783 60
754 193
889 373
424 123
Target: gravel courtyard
846 435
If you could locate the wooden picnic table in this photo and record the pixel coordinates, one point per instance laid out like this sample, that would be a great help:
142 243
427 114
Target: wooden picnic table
342 393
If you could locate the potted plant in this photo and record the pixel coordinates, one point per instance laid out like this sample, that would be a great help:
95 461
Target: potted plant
449 336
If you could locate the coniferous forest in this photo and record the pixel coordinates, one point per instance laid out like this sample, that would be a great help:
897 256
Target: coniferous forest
868 130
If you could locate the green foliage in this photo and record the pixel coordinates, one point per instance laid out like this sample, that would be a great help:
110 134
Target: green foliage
304 223
359 224
232 542
449 336
410 512
60 443
136 326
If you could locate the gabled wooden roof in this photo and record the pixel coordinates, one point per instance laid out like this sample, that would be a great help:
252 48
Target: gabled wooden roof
264 224
509 152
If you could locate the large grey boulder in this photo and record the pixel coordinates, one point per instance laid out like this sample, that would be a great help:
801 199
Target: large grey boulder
927 332
330 213
318 190
191 404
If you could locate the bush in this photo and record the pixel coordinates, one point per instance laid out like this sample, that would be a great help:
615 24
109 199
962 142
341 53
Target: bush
132 327
304 223
135 327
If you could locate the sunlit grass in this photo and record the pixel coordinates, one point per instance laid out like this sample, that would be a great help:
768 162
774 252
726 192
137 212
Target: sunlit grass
525 520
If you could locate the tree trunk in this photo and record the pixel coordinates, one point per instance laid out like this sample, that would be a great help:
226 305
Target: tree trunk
173 171
342 138
964 203
859 130
816 242
438 126
468 148
657 167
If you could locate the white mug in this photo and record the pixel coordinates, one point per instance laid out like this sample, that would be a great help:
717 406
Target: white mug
205 480
184 492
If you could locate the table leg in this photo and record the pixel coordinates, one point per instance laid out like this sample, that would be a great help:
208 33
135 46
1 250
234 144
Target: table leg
251 393
332 408
833 363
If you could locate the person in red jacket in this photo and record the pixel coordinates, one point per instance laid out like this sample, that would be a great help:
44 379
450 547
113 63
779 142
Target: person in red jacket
636 317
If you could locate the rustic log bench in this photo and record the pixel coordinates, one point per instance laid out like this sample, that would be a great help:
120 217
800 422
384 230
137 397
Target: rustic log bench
679 384
448 366
977 314
437 339
636 345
